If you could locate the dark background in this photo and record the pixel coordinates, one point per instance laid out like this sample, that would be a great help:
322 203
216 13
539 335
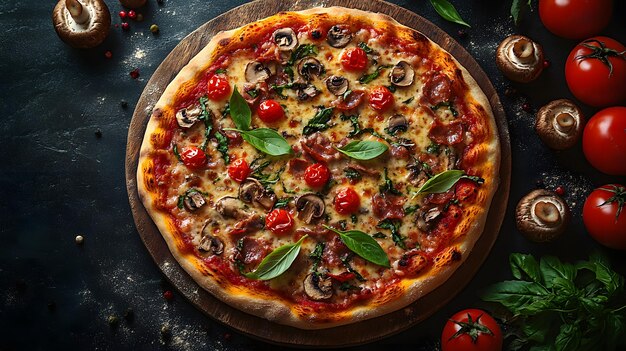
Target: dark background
63 129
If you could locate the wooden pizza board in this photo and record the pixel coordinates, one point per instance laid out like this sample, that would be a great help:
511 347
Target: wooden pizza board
354 334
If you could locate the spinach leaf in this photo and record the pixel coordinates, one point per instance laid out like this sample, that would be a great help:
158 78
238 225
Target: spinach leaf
319 122
363 245
446 10
277 261
363 150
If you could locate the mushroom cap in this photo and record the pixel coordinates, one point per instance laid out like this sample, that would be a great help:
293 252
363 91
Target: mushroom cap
542 215
338 36
256 72
317 288
559 124
87 35
519 58
285 38
132 4
402 74
310 206
337 85
310 67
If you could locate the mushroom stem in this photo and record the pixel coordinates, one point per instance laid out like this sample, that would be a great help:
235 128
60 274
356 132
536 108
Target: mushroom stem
564 121
524 50
547 212
75 9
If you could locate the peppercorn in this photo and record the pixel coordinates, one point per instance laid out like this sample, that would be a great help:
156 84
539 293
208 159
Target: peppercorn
132 14
122 14
546 63
510 92
462 33
560 190
113 321
134 74
527 107
168 295
154 29
108 54
124 104
125 26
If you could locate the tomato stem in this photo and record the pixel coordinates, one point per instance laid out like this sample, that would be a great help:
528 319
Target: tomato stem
471 328
601 53
619 196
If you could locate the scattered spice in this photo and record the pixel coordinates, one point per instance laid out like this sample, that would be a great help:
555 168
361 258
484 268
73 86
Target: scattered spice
125 26
540 184
108 54
546 63
154 29
132 14
510 92
527 107
168 295
134 74
462 33
79 238
166 333
124 104
560 190
122 14
113 321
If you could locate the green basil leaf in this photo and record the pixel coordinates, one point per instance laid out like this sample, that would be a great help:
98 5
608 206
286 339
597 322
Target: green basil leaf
363 245
518 296
568 338
363 150
441 182
319 122
370 77
302 51
525 265
517 8
612 281
551 268
277 262
222 146
366 48
240 111
446 10
394 226
267 140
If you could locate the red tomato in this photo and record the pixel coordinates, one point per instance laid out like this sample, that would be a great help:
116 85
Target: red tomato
347 201
575 19
381 98
279 221
589 75
471 330
316 175
354 59
218 87
239 170
604 140
193 157
604 218
270 111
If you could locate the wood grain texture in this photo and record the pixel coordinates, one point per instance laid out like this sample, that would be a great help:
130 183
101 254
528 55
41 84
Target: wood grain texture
354 334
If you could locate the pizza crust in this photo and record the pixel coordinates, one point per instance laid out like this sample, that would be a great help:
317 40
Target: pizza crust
277 310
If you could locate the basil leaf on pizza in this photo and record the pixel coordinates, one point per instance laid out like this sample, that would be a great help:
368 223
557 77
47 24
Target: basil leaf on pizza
277 262
363 150
363 245
441 182
240 111
267 140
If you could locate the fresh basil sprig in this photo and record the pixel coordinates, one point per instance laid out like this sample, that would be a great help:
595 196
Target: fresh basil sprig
277 262
446 10
263 139
363 245
363 150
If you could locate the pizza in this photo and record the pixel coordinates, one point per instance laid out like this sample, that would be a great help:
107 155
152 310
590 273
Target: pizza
321 167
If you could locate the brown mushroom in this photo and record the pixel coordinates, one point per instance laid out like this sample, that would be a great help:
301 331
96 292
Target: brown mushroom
310 206
309 68
193 200
231 207
559 124
519 58
542 215
256 72
402 74
317 287
209 242
132 4
338 36
251 190
337 85
186 117
397 123
308 92
427 218
285 38
82 24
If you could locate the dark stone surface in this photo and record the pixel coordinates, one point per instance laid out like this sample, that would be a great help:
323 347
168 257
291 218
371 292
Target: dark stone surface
63 134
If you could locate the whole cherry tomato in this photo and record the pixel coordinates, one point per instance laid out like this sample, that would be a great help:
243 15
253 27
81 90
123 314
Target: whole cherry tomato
603 215
239 170
575 19
595 71
604 140
471 330
279 221
316 175
381 98
218 87
347 201
193 157
270 111
354 59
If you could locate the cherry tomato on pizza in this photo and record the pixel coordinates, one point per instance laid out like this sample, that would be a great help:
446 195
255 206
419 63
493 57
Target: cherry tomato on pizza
270 111
354 59
279 221
316 175
471 330
604 140
218 87
575 19
595 72
381 98
604 217
193 157
347 201
239 170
